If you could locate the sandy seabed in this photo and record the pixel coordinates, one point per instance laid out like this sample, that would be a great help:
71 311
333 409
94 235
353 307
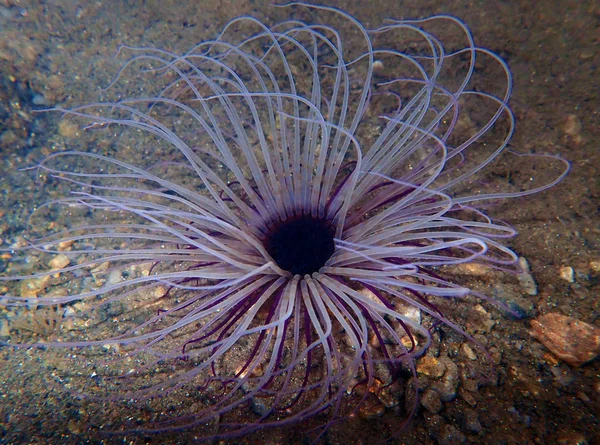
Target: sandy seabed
61 52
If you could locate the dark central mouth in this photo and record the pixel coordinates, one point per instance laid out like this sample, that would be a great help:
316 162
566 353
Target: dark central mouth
300 244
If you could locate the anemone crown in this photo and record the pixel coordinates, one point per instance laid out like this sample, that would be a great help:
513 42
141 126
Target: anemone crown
311 183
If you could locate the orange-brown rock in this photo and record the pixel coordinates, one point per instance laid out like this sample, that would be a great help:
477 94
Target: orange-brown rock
571 340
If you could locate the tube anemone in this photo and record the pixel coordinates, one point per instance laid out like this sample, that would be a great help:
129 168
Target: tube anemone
311 185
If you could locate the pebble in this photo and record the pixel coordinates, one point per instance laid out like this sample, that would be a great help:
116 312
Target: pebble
59 261
116 347
8 137
69 311
572 125
378 65
4 329
431 401
526 279
68 129
408 310
571 340
159 292
446 387
469 381
115 276
583 396
390 394
471 421
102 267
468 351
39 99
33 286
566 273
431 367
562 376
520 305
450 435
412 313
468 397
473 269
65 245
487 323
73 427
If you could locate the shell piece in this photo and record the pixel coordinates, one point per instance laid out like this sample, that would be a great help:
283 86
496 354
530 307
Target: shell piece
571 340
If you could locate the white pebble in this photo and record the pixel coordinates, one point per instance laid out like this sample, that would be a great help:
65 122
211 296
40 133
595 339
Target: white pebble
526 279
567 274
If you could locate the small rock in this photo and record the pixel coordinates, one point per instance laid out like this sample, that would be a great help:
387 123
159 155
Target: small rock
466 349
115 276
572 125
471 421
4 329
116 347
473 269
59 262
159 292
33 286
450 435
469 384
431 366
583 396
409 311
520 305
8 137
39 99
526 279
571 340
469 398
258 407
566 273
446 387
433 424
68 129
65 245
378 65
562 376
431 401
73 427
69 311
390 394
487 323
